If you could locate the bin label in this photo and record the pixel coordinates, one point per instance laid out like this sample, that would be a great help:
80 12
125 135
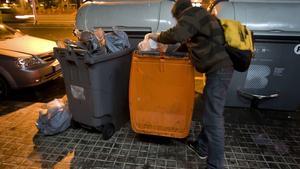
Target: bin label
297 49
77 92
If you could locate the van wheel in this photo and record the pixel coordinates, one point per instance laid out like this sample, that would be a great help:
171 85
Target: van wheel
108 131
3 88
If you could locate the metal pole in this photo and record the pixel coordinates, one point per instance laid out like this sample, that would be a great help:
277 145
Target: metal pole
34 11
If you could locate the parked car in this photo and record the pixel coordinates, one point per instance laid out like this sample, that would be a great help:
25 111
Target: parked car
10 15
25 60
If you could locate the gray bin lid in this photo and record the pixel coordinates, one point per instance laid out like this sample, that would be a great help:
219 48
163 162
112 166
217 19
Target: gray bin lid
264 17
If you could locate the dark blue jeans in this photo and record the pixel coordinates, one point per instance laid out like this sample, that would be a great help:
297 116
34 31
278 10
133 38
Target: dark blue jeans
211 138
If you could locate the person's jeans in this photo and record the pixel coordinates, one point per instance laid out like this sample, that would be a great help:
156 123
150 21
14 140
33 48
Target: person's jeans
211 138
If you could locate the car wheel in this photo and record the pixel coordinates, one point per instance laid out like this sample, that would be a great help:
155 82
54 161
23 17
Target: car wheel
3 88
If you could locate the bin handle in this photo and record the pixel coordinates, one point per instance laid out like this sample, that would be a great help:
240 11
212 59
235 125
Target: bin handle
163 54
71 56
276 30
155 53
178 54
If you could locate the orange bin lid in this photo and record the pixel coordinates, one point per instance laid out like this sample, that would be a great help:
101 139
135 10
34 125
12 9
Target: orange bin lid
161 95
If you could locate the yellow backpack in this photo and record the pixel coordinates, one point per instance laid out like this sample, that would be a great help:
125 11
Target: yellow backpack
239 43
237 35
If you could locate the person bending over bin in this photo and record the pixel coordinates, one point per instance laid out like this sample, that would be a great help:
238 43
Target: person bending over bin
204 39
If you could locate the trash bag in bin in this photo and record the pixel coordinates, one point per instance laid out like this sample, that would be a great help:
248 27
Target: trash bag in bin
89 41
97 41
116 41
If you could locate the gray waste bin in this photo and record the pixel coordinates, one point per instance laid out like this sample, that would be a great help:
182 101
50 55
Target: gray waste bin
97 87
275 68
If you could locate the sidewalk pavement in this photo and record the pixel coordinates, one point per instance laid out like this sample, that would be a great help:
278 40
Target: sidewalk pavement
248 146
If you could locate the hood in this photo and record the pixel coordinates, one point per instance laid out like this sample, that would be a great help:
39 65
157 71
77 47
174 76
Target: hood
27 45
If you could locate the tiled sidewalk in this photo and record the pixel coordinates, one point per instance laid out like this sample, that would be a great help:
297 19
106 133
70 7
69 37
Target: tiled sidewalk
247 146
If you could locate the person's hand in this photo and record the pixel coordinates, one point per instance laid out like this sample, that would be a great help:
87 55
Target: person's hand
153 36
162 47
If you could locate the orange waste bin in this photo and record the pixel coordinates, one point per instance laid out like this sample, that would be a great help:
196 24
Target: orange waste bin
161 95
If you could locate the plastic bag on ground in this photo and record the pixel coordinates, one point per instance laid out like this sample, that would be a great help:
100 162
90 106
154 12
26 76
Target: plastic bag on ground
54 118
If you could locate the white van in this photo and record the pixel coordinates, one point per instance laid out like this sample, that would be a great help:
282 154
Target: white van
276 27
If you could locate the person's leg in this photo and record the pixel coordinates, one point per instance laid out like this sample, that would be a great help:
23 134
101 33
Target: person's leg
203 142
200 144
213 120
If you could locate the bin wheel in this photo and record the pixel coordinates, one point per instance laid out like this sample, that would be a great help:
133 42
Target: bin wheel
108 131
75 124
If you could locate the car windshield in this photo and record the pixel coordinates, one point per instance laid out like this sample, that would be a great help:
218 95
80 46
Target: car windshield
6 33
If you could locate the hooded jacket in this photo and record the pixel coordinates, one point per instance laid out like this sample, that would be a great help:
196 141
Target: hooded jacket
203 36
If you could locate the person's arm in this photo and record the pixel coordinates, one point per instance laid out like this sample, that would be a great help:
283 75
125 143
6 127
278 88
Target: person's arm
182 32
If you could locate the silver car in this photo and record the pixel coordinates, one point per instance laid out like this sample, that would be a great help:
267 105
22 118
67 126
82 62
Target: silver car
25 60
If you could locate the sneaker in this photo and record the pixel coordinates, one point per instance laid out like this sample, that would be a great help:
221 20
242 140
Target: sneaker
194 146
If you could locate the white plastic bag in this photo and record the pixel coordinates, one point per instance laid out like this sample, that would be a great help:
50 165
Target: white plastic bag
150 45
54 118
55 105
100 34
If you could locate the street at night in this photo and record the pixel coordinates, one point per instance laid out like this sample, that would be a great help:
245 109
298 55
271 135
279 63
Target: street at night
48 29
261 114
